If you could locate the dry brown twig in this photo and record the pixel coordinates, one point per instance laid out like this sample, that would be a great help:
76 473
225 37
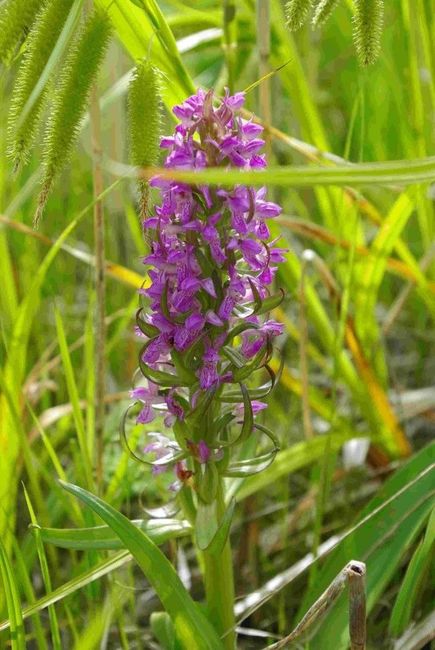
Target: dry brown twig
354 575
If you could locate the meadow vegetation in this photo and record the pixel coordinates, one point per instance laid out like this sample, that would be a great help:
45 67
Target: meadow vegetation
340 466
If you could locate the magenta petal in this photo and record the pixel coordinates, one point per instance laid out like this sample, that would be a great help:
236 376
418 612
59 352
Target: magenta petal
203 452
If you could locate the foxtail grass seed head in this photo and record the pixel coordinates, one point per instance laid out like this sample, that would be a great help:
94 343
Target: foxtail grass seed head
144 108
296 12
70 102
16 16
323 10
207 330
367 29
40 43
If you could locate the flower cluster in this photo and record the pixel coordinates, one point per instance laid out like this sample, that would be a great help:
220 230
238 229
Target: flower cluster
211 267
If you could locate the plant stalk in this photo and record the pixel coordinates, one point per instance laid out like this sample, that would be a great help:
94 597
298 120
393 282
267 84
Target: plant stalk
219 585
100 286
229 40
264 101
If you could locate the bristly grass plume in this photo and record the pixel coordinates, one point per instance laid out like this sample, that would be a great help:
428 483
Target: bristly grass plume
79 72
297 13
323 10
367 29
144 117
367 22
15 17
40 43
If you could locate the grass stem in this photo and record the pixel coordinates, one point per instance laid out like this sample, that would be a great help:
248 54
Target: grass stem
100 285
263 30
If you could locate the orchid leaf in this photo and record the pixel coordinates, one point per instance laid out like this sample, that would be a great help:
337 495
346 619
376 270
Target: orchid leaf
234 356
160 377
212 535
146 328
190 624
267 304
103 538
206 524
219 540
248 415
251 466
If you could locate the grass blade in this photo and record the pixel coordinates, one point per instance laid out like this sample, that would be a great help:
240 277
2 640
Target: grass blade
392 172
75 400
415 575
54 625
103 537
12 601
191 626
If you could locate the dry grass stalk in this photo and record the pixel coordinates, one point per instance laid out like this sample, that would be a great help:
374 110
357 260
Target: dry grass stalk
354 575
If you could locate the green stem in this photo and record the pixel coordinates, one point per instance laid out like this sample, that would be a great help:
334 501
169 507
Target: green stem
229 40
219 585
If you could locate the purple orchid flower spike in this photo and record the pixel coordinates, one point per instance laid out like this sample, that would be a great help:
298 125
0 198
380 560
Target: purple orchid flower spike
211 268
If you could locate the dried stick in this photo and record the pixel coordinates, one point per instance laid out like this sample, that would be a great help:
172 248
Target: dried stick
403 296
100 285
353 574
229 45
263 31
303 345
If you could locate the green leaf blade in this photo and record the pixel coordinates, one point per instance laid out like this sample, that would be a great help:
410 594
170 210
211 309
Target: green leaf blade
191 626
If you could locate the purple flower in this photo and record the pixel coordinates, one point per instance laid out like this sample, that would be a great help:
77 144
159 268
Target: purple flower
203 451
149 396
163 449
210 265
256 406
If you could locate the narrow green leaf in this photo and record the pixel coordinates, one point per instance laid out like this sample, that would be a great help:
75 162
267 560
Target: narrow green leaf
12 601
267 304
54 625
219 540
206 524
160 377
406 172
190 624
233 355
373 269
414 577
248 415
74 398
102 537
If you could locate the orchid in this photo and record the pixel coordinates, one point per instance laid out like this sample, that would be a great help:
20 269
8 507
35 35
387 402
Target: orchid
211 268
